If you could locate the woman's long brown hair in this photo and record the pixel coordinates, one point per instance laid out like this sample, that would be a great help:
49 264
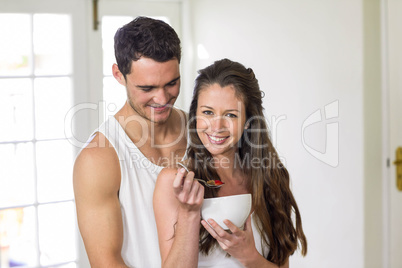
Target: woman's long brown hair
273 201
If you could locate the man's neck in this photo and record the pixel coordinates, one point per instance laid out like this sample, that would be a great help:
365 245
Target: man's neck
143 130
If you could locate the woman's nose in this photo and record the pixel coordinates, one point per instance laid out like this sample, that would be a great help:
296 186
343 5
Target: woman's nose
218 124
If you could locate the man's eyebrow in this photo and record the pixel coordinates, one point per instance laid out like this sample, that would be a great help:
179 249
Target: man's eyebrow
145 87
151 86
174 80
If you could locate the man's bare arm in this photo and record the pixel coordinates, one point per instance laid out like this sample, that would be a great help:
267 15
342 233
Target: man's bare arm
96 184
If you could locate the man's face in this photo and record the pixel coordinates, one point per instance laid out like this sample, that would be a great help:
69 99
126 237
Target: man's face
152 88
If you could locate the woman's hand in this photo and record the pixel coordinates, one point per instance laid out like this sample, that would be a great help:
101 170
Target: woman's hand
177 204
189 192
239 244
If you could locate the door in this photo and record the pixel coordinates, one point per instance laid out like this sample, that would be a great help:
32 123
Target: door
395 129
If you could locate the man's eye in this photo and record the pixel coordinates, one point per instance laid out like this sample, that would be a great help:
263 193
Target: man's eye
146 89
172 84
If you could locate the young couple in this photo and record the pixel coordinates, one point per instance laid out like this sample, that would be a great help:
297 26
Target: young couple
129 206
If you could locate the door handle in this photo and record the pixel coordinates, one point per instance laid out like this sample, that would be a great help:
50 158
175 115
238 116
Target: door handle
398 164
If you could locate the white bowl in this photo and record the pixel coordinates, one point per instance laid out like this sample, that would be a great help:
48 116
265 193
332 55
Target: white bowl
235 208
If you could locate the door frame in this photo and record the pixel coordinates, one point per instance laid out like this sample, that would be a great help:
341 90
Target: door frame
386 150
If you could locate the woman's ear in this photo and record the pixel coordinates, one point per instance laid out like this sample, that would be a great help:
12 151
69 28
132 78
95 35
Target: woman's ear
247 125
118 75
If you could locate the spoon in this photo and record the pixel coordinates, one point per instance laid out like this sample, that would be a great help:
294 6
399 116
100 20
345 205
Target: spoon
210 183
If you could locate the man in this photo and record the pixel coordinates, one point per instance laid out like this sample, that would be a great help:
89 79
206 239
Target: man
115 174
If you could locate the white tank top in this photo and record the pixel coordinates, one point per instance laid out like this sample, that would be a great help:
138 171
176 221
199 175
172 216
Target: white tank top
138 176
218 259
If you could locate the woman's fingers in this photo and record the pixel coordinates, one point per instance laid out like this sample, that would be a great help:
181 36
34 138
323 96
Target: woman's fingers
233 228
194 188
239 244
187 190
200 193
209 229
178 180
219 230
188 183
183 181
247 226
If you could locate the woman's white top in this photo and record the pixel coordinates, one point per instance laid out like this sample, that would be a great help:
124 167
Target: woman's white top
217 257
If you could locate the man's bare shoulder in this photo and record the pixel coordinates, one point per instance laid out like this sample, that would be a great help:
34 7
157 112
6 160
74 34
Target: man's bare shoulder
97 165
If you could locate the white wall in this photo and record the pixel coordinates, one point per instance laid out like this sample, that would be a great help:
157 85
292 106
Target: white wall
306 54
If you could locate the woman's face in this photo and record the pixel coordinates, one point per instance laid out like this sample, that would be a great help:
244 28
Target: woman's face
220 116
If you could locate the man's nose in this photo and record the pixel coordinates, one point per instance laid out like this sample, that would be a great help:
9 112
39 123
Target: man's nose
161 96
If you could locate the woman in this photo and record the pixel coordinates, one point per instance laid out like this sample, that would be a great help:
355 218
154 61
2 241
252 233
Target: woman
228 141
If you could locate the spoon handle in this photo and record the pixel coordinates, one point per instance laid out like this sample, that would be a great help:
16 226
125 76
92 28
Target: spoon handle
183 166
202 181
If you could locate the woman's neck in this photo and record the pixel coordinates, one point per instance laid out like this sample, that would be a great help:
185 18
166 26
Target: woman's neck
227 169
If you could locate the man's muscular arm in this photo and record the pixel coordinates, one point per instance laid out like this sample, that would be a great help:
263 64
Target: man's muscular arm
96 184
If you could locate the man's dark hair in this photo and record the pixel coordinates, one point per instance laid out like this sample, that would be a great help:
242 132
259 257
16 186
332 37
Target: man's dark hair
146 37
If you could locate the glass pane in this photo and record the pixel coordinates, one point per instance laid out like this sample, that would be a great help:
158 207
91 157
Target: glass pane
15 32
110 24
57 233
16 113
16 174
53 99
52 44
54 167
114 96
17 237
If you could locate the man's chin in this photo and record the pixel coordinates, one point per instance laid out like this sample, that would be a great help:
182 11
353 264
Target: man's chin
161 118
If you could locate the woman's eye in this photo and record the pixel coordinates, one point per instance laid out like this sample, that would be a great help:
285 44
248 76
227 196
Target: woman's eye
231 115
207 112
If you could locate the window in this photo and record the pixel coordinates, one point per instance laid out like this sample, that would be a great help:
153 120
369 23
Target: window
37 216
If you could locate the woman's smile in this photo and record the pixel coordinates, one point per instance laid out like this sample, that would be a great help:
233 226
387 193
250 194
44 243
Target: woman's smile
216 139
